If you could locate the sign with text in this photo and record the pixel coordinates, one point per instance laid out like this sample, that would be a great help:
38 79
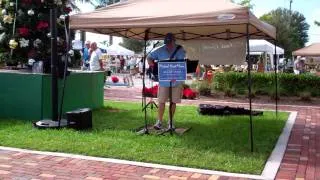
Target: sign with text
169 71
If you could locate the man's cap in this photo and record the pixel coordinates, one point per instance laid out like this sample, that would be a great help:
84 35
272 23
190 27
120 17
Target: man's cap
169 38
87 42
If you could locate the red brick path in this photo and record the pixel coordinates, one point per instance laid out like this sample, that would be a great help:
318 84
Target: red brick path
301 160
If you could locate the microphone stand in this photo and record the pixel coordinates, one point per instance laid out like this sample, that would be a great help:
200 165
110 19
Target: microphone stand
144 104
170 130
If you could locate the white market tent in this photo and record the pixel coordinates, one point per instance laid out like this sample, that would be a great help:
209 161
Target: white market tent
116 49
261 45
187 20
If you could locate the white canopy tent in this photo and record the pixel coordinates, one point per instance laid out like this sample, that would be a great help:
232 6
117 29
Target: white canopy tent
116 49
263 46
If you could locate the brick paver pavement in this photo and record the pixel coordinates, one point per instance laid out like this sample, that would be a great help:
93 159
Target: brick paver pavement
301 159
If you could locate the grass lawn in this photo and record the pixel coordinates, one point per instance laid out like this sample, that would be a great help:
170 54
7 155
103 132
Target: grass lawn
216 143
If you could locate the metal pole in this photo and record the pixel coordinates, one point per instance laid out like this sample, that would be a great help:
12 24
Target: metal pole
144 101
54 64
170 107
249 87
276 75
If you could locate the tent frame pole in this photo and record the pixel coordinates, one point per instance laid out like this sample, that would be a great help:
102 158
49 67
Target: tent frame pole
144 101
276 75
249 87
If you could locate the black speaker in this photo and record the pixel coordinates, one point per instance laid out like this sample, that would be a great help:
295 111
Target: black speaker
80 119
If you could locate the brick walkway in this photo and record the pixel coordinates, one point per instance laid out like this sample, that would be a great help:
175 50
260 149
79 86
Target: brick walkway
301 160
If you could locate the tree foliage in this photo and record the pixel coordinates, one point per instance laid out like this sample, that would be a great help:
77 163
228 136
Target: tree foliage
292 28
317 23
133 44
247 3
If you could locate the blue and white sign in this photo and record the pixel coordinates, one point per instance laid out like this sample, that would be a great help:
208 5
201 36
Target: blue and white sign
169 71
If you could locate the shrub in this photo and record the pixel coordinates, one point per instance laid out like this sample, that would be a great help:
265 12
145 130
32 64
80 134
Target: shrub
264 83
203 87
305 96
230 92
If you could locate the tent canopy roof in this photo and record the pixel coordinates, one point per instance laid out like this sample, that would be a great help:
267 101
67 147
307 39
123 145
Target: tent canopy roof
260 45
188 20
116 49
311 50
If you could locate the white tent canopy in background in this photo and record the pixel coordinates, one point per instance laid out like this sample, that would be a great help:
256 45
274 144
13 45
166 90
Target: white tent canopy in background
116 49
263 46
260 45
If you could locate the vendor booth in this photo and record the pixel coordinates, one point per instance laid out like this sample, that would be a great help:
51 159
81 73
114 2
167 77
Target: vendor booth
266 49
311 56
116 49
213 32
312 50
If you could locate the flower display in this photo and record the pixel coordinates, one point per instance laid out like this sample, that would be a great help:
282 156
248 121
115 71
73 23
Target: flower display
153 92
189 93
30 12
23 31
150 92
36 43
27 25
24 42
7 19
42 25
27 2
13 44
114 79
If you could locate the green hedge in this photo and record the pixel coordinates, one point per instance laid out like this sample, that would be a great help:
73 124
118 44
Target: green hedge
264 83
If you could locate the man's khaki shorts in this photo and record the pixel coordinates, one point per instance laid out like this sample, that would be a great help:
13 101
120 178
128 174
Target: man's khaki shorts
163 94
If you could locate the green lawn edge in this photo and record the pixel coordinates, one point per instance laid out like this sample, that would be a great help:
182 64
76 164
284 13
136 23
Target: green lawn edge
215 142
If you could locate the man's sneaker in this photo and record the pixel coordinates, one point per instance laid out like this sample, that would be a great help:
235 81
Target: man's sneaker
158 125
171 127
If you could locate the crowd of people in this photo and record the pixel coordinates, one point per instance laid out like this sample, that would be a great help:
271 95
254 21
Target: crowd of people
92 57
94 60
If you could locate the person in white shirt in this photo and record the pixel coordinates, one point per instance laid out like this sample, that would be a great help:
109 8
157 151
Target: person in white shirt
95 58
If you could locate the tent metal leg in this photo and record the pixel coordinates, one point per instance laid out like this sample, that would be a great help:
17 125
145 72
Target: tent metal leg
144 101
276 75
249 87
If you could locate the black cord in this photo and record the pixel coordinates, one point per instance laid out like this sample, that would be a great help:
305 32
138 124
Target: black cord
67 30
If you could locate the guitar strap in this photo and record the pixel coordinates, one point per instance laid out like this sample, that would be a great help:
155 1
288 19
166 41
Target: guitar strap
155 68
175 51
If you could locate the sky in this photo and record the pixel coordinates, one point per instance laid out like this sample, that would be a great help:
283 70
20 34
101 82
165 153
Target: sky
309 8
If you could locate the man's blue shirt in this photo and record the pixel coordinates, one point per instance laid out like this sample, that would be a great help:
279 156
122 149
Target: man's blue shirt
86 56
162 53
